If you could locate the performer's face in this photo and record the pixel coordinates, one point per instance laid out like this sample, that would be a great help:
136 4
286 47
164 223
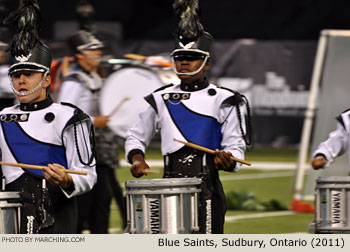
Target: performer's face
189 65
25 81
90 60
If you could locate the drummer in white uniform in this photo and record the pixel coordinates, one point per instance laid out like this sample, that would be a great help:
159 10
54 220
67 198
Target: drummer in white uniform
336 144
81 87
40 132
194 111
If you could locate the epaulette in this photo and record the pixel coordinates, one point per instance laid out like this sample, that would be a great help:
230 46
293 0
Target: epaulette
72 77
78 116
150 100
163 87
339 118
235 99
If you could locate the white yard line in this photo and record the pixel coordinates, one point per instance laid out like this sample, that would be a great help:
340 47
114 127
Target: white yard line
258 215
257 176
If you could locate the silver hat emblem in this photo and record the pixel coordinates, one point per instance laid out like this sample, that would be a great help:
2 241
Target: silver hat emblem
23 58
187 46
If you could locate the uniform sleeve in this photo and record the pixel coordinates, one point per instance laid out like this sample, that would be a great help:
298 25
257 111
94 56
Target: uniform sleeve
82 183
336 144
232 139
5 83
69 92
138 137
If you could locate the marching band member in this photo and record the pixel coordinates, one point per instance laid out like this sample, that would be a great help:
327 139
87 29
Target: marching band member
81 87
194 111
336 144
40 132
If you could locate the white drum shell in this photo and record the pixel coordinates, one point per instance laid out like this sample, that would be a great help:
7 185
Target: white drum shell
168 206
332 203
9 212
128 86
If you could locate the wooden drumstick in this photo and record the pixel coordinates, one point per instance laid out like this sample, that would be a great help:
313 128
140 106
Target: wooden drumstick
146 171
37 167
141 57
134 56
125 98
151 171
201 148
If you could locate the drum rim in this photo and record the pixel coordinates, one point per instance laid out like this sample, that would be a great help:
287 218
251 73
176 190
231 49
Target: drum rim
10 205
163 182
333 179
9 195
164 191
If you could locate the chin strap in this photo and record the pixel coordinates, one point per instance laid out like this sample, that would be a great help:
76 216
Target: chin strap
31 91
91 58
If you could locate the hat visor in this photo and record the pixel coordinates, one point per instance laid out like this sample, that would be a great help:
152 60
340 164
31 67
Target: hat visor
26 67
193 52
90 47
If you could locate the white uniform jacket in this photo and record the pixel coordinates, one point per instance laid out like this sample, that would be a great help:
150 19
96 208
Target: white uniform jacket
205 117
338 140
44 133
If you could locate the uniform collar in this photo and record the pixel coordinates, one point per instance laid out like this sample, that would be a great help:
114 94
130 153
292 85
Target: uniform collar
37 105
194 86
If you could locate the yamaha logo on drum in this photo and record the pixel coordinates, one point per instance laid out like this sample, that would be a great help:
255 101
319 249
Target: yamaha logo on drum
155 216
336 207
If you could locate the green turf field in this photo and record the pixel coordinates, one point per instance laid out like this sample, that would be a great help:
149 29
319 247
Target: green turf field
279 188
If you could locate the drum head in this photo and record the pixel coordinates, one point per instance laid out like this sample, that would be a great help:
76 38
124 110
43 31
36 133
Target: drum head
123 93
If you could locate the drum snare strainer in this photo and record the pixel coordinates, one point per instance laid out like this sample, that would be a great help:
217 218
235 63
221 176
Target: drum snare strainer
166 206
332 204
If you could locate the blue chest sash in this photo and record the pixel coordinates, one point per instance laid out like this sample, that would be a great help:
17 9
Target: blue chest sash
31 151
196 128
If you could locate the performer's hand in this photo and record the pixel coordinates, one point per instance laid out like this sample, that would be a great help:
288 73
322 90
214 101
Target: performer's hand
139 166
65 65
223 160
101 121
319 162
55 175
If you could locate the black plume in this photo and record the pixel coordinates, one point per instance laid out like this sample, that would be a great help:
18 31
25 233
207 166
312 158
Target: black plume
28 20
86 14
189 27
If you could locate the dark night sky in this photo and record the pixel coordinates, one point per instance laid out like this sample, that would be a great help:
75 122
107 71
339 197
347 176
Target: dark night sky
225 19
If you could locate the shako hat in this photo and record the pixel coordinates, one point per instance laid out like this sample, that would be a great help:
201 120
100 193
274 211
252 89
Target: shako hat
28 51
190 37
84 40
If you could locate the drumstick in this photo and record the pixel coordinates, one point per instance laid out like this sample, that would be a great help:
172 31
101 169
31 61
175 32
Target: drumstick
146 171
151 171
134 56
141 57
37 167
201 148
125 98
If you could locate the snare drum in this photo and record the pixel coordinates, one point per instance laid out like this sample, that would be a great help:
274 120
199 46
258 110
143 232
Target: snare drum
9 212
332 204
122 94
162 206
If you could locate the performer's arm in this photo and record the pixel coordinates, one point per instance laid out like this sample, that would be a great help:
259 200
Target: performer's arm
82 183
232 142
138 139
336 144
